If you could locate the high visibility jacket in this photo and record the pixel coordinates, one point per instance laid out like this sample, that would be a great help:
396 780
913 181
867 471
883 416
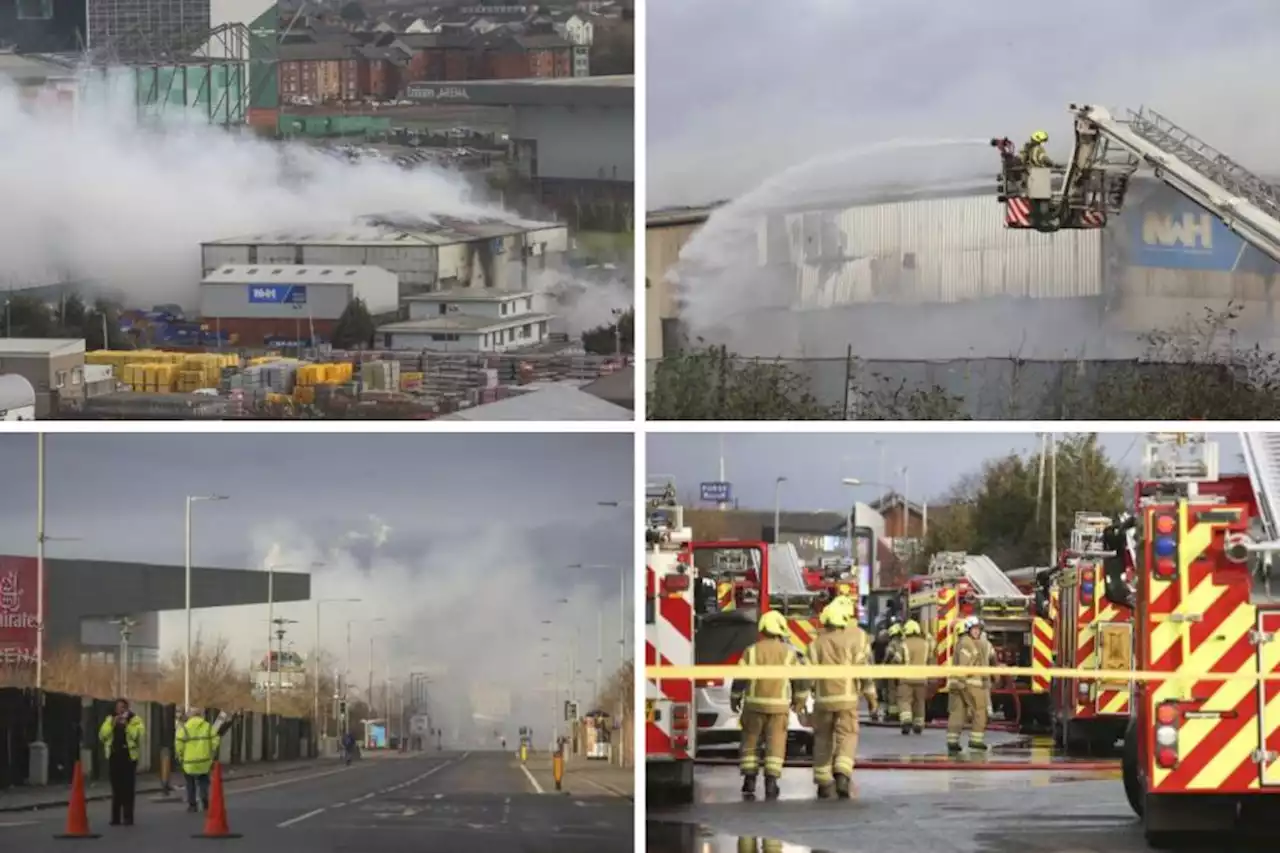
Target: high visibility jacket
196 745
770 695
971 652
847 647
132 736
913 651
1033 154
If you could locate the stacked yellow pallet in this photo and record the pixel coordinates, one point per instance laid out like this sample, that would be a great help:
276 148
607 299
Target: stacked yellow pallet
312 375
159 372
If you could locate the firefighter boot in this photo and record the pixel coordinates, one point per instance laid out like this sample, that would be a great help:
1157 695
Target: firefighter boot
953 747
826 790
771 791
842 787
906 727
749 786
978 745
917 729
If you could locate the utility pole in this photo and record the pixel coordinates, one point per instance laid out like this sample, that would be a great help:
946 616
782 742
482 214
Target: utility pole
38 752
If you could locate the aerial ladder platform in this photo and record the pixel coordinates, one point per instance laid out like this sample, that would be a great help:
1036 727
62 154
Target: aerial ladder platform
1092 186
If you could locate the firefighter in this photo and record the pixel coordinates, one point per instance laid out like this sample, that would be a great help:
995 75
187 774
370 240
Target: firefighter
835 703
913 650
968 696
766 703
1033 153
889 686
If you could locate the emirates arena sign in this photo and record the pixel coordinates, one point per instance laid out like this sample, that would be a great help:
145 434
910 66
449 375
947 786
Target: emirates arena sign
19 611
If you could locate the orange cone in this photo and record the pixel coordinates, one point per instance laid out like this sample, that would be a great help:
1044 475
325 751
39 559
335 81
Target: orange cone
215 821
77 809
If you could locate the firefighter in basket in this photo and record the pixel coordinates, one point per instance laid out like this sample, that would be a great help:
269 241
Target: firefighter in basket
969 696
766 704
835 703
1033 153
913 650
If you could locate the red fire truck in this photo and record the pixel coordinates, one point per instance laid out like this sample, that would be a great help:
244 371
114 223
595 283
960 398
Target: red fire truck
1202 755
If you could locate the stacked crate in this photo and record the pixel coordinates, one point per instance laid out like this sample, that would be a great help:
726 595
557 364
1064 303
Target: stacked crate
160 372
313 377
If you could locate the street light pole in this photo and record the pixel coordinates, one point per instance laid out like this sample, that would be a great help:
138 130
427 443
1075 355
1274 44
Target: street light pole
271 615
315 664
852 519
186 663
777 507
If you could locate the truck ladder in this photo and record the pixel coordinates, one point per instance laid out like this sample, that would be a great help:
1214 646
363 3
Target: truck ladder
1262 458
1244 202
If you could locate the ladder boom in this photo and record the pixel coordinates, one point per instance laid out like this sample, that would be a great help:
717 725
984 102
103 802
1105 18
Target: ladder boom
1244 202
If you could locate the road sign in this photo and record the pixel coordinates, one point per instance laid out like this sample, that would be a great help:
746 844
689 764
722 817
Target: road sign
718 493
278 294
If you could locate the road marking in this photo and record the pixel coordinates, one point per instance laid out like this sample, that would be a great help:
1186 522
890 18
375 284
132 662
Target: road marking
532 781
290 781
18 823
506 810
606 788
300 818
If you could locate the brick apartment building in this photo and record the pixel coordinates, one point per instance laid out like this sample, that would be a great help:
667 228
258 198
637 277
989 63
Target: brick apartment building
339 66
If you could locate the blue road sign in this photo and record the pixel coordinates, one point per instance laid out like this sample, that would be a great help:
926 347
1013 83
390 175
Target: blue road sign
718 493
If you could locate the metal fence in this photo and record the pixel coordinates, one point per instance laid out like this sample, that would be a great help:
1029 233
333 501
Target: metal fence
71 733
977 388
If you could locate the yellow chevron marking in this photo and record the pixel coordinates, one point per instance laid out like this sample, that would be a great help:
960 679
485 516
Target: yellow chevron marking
1235 752
1270 722
1166 632
1229 694
1269 725
1117 703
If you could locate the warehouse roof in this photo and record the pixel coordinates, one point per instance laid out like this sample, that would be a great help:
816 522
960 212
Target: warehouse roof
292 274
557 403
36 347
384 231
469 323
459 294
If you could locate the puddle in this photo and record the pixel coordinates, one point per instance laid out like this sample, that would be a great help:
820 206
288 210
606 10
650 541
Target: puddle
688 838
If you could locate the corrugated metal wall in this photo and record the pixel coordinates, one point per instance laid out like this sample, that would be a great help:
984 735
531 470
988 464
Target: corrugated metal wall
931 250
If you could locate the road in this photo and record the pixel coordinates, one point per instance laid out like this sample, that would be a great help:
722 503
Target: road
399 804
965 810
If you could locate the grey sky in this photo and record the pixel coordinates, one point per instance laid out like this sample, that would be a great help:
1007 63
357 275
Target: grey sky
814 464
481 530
738 91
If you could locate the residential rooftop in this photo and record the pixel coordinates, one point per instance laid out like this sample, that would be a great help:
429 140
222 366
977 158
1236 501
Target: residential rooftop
462 323
459 294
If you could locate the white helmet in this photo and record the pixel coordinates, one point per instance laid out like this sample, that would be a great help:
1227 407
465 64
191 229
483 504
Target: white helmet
972 622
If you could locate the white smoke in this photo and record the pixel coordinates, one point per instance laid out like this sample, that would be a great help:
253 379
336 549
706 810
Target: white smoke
470 615
124 207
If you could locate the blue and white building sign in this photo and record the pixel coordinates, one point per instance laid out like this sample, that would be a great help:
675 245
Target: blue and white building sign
277 294
717 493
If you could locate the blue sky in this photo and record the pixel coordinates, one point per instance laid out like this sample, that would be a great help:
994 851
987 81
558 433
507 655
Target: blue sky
814 464
741 90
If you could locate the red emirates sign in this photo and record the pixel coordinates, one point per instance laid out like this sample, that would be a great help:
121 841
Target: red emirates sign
19 611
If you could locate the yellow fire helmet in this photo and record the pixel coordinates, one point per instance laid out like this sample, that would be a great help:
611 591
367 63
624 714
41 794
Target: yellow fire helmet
1040 136
774 624
911 629
847 602
895 629
837 614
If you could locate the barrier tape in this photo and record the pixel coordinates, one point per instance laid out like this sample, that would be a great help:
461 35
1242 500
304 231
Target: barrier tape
893 672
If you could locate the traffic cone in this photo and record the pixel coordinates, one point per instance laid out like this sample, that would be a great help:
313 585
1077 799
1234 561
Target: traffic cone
215 821
77 809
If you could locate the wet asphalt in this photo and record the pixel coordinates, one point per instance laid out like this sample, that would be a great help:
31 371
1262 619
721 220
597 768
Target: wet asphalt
437 801
957 808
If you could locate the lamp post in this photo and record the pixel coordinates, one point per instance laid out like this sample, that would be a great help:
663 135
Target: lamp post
186 664
851 520
372 621
315 662
777 507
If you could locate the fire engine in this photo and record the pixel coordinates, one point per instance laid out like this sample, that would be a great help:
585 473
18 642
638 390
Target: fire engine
961 585
686 622
1084 607
1199 755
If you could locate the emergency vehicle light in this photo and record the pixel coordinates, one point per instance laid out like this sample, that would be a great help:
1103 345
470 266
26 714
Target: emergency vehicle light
1165 547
